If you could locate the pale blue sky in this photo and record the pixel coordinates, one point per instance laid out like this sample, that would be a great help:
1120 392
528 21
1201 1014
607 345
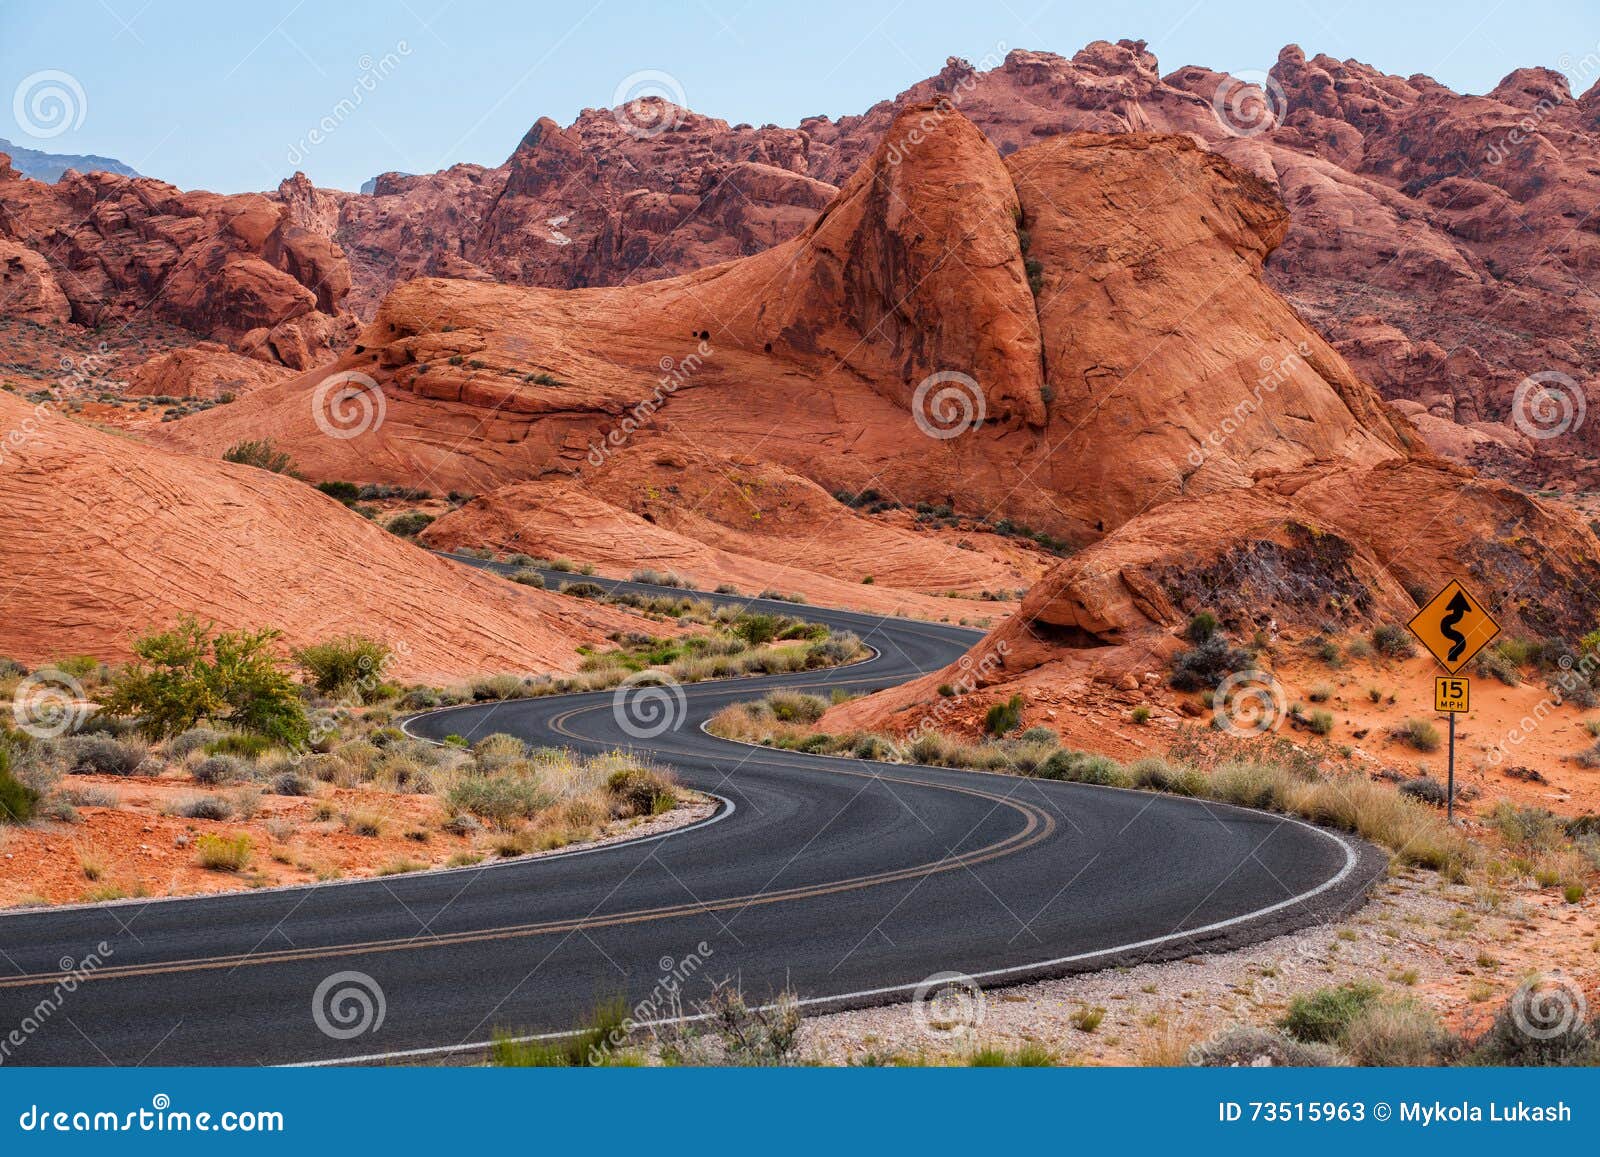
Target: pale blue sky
225 95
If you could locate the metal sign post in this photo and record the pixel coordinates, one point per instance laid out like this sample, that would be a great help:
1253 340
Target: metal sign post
1454 627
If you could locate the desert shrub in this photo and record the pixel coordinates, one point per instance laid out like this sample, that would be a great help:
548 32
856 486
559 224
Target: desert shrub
102 755
1571 1041
189 673
220 769
349 664
291 783
17 799
500 800
223 853
583 590
1201 627
1002 718
1207 664
1140 714
194 739
202 807
362 822
871 747
1325 1016
1156 774
1246 1047
1394 1033
410 524
833 651
1426 789
1529 827
345 492
1493 663
640 791
1083 767
1392 641
498 687
1419 733
1249 783
1320 722
588 1046
495 751
235 743
260 453
528 578
794 707
92 795
729 1031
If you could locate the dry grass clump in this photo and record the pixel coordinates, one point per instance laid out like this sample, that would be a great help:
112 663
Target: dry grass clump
223 853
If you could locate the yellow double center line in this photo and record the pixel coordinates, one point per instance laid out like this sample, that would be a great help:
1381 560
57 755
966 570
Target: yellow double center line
1038 827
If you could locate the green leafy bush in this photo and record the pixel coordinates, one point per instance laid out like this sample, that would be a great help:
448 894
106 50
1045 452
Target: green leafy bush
188 673
410 524
17 799
260 453
350 664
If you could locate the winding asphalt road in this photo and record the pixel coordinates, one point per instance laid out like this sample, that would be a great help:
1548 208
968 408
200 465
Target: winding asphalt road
849 882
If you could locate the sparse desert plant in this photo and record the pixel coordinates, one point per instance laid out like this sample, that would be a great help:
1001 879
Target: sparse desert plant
363 822
1087 1018
1325 1016
1140 714
102 755
218 770
260 453
349 665
528 578
1392 641
589 1045
1419 733
1424 788
1207 664
201 807
1005 717
1245 1047
410 524
223 853
17 799
1395 1033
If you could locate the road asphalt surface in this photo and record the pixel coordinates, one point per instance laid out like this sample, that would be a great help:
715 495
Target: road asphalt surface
848 882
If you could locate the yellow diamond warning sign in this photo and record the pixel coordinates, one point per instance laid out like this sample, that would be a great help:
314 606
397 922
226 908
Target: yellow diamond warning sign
1454 626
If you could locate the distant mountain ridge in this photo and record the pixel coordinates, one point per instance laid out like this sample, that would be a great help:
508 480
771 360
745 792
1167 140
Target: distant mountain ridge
49 167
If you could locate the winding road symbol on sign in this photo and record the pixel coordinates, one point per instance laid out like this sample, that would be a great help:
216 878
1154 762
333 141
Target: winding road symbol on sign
1454 626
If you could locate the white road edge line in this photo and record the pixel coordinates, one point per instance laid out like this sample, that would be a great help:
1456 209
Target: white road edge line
1351 859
